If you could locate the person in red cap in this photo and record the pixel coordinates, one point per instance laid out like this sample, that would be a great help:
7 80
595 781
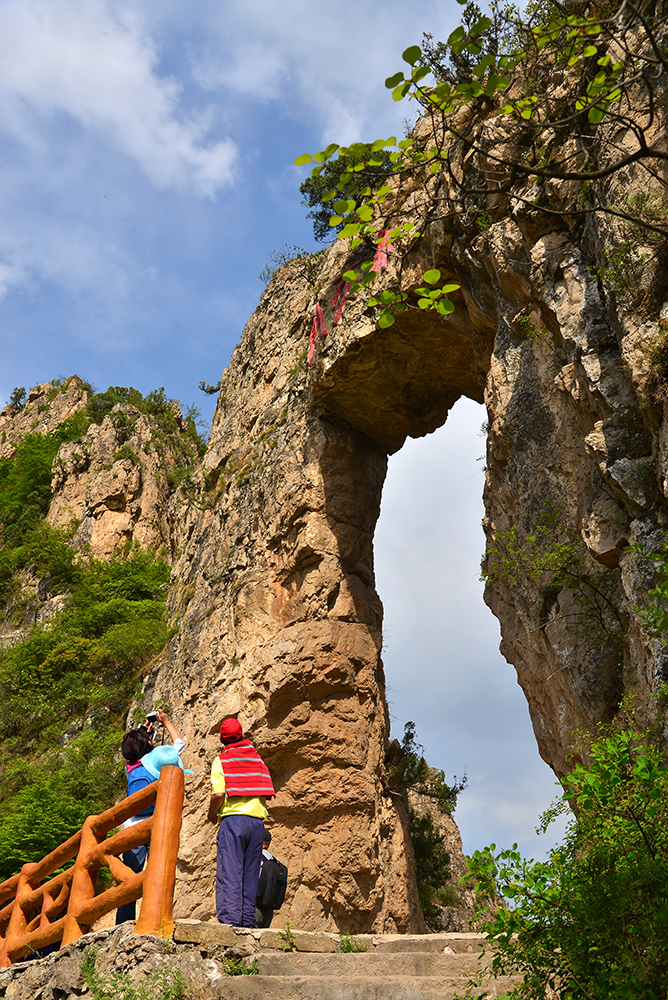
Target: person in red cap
240 785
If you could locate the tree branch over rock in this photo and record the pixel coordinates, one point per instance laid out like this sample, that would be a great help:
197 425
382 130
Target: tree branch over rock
542 114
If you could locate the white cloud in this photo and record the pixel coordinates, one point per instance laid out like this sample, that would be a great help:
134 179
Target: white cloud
330 59
83 59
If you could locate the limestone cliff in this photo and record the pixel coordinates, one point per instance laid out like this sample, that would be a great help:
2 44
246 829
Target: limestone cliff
274 585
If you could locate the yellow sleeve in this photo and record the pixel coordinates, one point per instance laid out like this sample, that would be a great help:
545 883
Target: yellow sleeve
217 777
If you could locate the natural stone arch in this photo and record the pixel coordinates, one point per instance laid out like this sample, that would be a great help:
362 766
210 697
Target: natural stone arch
279 619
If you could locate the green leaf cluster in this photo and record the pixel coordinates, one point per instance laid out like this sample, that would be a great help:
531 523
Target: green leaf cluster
591 922
454 63
339 180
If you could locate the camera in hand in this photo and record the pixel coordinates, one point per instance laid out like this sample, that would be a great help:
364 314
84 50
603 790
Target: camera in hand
152 717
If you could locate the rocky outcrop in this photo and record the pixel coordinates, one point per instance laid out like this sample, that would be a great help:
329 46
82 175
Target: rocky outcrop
274 586
46 406
113 484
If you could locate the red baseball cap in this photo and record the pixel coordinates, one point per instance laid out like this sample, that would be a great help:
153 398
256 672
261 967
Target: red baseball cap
230 727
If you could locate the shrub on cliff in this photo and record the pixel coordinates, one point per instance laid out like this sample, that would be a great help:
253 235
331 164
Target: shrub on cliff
591 922
25 495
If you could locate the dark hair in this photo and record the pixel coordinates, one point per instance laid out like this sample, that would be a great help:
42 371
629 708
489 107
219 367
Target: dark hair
229 740
135 744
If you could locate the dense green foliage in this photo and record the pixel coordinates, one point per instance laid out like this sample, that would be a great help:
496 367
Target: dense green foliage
432 868
25 495
56 792
591 922
65 687
72 679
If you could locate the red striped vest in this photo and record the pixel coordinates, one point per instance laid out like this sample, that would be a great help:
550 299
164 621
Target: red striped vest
245 772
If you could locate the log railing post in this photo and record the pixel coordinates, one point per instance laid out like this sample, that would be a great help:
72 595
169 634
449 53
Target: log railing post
83 883
31 920
158 899
18 921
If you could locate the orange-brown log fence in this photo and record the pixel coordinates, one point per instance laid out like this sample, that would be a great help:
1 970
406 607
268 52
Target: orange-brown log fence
39 913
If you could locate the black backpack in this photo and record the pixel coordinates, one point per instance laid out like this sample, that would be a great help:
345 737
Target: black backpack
272 885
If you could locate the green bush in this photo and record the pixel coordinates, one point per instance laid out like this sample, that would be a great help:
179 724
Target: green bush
348 944
317 190
591 922
66 686
84 663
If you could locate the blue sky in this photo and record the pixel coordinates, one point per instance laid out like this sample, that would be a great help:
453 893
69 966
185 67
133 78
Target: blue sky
146 172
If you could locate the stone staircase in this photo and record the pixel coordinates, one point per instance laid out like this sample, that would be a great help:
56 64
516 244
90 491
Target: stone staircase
395 967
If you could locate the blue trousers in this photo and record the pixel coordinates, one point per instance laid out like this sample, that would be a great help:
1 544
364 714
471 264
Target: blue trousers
238 869
134 859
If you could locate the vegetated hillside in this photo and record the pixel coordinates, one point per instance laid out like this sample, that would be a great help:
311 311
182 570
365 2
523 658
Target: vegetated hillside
86 482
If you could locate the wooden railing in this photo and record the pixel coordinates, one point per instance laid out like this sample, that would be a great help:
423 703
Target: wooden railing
41 913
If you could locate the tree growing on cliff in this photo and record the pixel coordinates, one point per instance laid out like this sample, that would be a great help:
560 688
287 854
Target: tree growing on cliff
591 922
408 770
563 97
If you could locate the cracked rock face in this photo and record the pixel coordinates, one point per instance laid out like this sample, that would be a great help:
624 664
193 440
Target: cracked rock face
112 484
273 591
280 622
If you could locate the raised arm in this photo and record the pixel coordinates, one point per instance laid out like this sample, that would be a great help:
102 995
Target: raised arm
164 720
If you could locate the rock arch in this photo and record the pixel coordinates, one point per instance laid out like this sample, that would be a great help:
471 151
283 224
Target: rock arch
274 593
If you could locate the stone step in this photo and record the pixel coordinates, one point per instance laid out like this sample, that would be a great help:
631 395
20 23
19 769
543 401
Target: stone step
373 963
381 987
213 933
